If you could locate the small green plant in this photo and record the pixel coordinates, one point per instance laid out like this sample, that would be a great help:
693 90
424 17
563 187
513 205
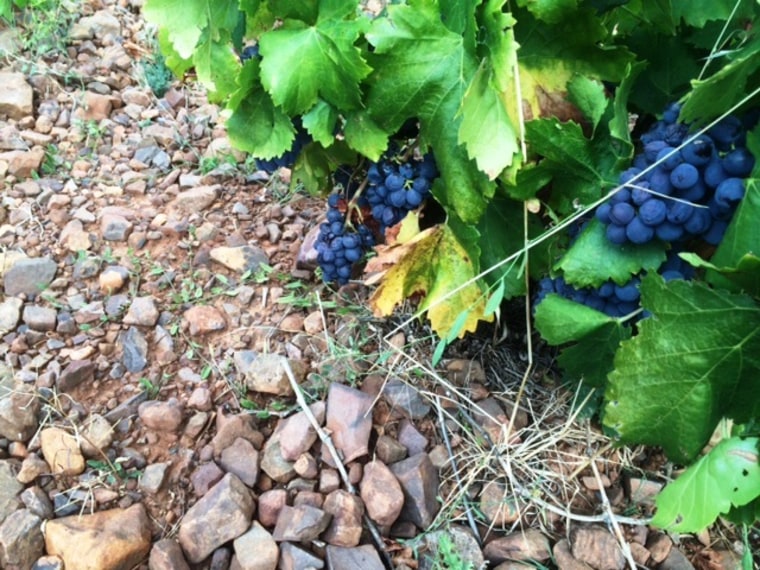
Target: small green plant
157 75
448 557
91 132
149 386
53 161
44 24
114 471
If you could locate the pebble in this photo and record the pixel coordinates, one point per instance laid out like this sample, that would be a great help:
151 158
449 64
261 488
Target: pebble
61 452
266 374
203 319
241 258
406 398
242 459
419 482
293 557
256 549
349 421
381 493
21 540
18 411
166 554
134 348
153 478
464 544
75 373
16 95
300 524
161 416
112 279
192 201
142 312
29 276
526 545
345 528
297 435
10 313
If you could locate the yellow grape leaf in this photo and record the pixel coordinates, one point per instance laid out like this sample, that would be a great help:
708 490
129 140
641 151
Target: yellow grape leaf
433 265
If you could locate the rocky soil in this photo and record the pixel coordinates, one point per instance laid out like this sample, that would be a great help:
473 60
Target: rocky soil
177 389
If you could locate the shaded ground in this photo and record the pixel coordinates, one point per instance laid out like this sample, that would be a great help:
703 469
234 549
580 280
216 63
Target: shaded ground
154 309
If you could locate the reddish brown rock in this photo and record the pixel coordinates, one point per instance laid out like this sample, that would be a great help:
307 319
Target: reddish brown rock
203 319
381 493
297 435
527 545
349 421
118 539
361 557
242 459
300 524
346 525
270 505
166 554
161 416
419 481
597 547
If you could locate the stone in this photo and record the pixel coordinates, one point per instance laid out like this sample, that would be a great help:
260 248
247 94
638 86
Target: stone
526 545
117 539
297 435
306 466
16 96
23 164
267 374
565 559
293 557
112 279
273 463
166 554
115 228
494 416
96 107
389 450
97 436
419 482
349 421
307 253
10 313
61 452
193 201
41 319
32 467
346 525
101 24
21 540
401 396
364 557
644 491
227 508
676 560
242 258
18 411
381 493
270 505
256 549
48 563
134 348
153 477
597 547
463 543
300 524
230 428
200 399
203 319
242 459
498 509
142 312
205 476
9 489
75 373
161 416
29 276
410 437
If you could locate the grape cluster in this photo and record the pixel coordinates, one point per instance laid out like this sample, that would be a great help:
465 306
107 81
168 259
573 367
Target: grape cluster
394 189
339 246
689 192
610 298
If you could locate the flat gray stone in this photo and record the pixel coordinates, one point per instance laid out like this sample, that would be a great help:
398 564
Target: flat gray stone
29 276
21 540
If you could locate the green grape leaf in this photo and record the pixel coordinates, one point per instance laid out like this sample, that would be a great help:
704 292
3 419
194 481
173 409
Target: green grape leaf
320 123
364 135
589 96
665 79
561 321
711 97
651 15
258 127
694 361
434 265
592 259
217 68
697 13
501 235
728 476
422 70
312 170
619 124
174 61
551 11
486 130
744 278
183 21
459 17
300 64
581 168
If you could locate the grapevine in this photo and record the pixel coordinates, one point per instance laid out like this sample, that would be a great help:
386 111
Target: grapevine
527 109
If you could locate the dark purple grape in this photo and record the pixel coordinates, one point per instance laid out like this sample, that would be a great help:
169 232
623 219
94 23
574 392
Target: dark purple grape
616 234
659 181
716 232
694 193
394 182
603 212
628 175
669 232
621 213
421 185
652 149
714 173
628 292
653 212
698 222
413 198
374 176
683 176
729 192
638 232
397 198
679 212
640 194
739 163
727 132
671 274
623 195
671 113
334 216
669 158
699 151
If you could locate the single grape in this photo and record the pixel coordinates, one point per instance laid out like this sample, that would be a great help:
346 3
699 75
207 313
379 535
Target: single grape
374 175
616 234
652 149
334 216
628 174
638 232
659 181
727 132
699 151
669 158
623 195
694 193
622 213
715 234
739 162
675 134
421 185
628 292
394 182
679 212
720 211
729 192
671 274
671 113
413 198
714 173
653 212
607 289
427 168
406 170
684 175
698 222
397 198
640 194
668 231
603 212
